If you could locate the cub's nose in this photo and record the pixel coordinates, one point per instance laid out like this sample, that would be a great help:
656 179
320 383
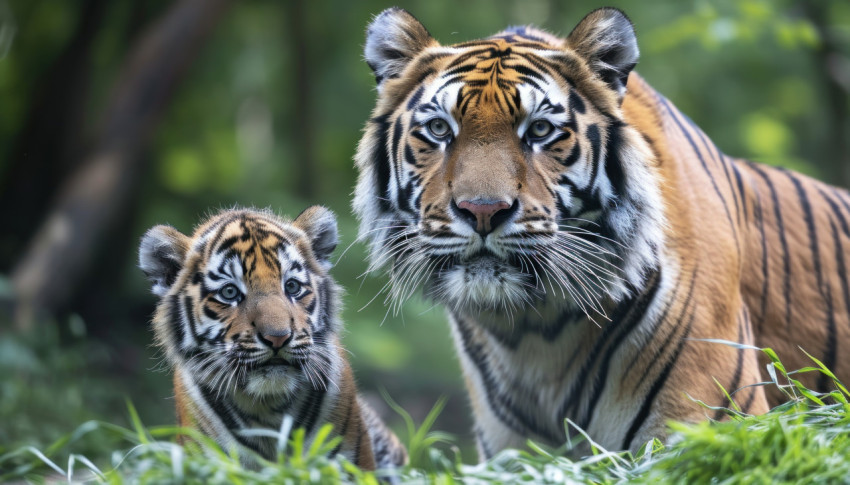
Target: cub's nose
484 216
275 340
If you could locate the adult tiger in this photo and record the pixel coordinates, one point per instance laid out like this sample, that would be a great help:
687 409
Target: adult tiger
586 236
248 320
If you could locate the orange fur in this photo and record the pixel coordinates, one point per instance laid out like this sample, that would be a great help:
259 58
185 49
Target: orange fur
681 243
273 350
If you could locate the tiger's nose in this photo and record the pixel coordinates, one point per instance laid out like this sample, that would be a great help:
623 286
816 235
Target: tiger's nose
275 340
484 216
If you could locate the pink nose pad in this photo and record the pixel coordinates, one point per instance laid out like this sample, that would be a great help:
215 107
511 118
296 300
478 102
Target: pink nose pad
483 214
275 340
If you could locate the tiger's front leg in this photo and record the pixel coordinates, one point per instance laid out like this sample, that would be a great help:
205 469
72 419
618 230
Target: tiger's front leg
621 382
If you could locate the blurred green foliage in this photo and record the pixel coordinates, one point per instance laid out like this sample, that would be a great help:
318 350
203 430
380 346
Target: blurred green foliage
747 71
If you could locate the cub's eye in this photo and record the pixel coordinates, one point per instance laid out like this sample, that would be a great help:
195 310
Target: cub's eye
539 129
229 292
439 128
292 287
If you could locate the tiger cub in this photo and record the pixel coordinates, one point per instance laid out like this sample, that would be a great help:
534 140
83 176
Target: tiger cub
248 319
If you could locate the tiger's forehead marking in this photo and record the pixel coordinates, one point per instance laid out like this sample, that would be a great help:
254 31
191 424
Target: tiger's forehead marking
260 246
488 74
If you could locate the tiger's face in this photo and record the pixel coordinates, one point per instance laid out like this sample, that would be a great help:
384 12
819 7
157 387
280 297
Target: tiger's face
500 172
246 303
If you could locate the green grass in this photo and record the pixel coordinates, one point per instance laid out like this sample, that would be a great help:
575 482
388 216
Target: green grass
806 440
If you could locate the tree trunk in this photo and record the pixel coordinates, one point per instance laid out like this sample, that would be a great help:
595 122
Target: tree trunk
302 130
95 195
48 146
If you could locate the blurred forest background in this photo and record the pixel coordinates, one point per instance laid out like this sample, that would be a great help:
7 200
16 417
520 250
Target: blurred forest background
116 115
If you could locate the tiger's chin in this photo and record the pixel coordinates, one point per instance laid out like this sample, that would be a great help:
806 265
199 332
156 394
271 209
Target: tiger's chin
273 380
485 283
512 285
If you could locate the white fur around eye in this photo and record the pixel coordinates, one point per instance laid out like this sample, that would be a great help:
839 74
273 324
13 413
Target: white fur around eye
231 273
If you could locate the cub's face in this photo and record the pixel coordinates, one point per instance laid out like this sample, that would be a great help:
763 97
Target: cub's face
499 172
246 302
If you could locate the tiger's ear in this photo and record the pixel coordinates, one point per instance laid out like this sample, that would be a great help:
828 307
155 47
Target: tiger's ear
606 39
161 256
393 39
320 225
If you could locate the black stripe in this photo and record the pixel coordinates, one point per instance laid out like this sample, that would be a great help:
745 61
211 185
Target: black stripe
673 114
382 161
414 100
572 157
739 368
548 331
559 137
656 357
227 244
409 157
576 103
841 196
823 286
395 140
311 306
343 429
454 74
686 304
177 323
325 300
485 448
831 352
212 315
836 211
748 326
228 416
643 413
529 72
613 164
741 191
310 409
745 408
595 139
719 159
633 315
780 230
765 267
842 267
502 405
220 226
808 216
419 136
189 314
358 438
471 53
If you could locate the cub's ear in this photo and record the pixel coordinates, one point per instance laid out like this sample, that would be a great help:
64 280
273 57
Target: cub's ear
320 225
393 39
606 39
161 256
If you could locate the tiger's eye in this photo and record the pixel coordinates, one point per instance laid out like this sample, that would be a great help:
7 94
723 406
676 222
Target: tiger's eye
292 287
540 129
439 127
229 292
